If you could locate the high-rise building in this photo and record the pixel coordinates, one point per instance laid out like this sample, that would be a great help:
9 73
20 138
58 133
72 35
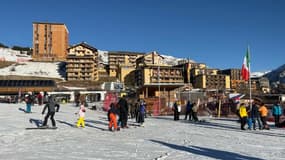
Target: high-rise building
50 41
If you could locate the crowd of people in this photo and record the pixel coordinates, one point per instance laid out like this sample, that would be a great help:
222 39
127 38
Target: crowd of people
191 110
118 114
253 115
256 114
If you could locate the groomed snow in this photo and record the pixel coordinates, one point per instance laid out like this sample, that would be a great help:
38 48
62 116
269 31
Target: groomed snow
161 138
38 69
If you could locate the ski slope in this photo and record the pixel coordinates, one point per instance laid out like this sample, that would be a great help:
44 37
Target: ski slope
161 138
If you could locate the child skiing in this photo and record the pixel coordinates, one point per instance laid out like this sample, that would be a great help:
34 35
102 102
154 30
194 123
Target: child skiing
81 112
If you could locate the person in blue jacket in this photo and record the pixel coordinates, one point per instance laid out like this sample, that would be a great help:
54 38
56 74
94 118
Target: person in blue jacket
142 110
276 112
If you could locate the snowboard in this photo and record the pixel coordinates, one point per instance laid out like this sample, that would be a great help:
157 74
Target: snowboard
29 128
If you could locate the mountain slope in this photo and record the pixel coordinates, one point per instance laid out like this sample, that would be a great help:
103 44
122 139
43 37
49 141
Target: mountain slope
277 75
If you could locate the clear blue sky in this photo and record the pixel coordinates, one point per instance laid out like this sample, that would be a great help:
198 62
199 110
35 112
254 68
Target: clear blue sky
215 32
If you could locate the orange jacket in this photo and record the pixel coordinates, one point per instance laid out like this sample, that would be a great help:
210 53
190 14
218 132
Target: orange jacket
263 111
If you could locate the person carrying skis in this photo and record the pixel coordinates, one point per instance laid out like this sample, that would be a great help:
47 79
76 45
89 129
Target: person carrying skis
195 109
51 111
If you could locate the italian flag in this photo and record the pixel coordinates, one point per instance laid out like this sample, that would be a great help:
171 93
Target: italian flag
245 71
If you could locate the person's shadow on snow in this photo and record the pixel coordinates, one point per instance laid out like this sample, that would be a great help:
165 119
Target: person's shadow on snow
212 153
22 109
66 123
37 122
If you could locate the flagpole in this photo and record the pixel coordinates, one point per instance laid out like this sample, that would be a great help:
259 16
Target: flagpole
249 68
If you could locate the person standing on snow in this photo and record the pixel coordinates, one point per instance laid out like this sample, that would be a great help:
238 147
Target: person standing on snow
263 113
40 99
112 117
243 116
124 108
276 112
255 116
81 112
175 109
142 111
51 111
188 111
195 110
29 101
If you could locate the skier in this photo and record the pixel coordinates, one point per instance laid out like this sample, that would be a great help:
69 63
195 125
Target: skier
29 101
51 111
112 117
81 112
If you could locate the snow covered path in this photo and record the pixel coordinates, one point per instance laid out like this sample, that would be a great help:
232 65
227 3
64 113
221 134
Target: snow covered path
161 138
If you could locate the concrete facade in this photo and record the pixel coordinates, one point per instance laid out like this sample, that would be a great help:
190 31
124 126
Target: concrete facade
50 41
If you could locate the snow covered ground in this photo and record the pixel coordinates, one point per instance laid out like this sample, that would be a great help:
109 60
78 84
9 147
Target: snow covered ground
39 69
161 138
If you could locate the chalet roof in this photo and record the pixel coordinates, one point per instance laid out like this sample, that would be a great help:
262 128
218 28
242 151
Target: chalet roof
48 23
154 52
84 44
27 83
126 52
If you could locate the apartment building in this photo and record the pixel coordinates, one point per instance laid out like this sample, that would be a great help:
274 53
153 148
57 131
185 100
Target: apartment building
50 41
121 58
235 75
260 85
82 63
187 65
208 81
154 76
